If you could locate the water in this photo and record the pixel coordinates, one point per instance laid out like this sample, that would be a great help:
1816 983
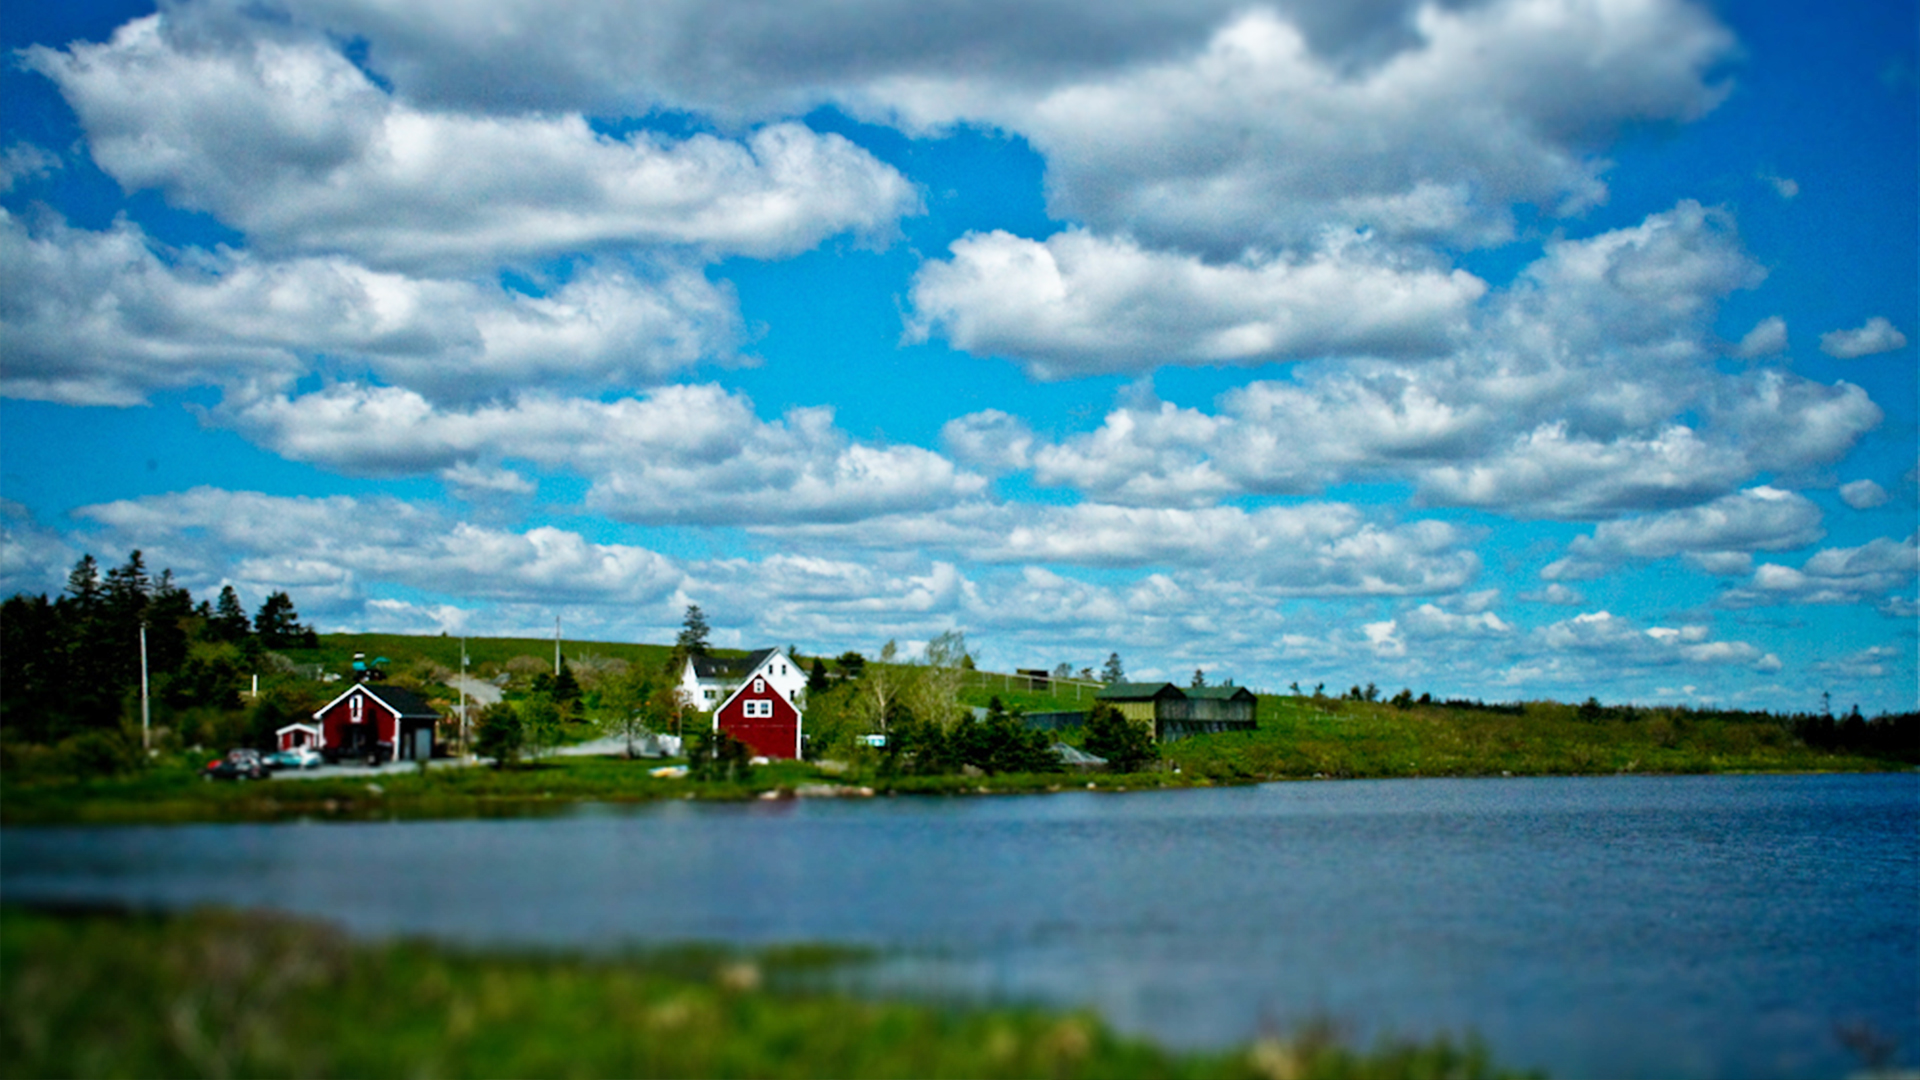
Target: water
1618 926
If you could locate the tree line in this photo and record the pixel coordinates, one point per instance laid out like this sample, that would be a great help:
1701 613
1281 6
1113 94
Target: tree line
70 664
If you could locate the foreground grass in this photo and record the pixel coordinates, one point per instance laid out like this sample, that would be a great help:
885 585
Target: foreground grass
216 994
1300 737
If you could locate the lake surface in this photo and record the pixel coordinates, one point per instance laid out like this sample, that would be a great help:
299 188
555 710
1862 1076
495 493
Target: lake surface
1612 926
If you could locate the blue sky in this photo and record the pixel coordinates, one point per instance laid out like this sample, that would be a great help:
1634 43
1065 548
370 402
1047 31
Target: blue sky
1527 348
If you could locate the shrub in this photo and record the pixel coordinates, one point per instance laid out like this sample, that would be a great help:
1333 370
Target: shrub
1127 746
498 734
717 755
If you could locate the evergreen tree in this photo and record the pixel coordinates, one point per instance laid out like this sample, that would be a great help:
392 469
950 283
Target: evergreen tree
33 667
277 624
169 617
693 632
1001 743
566 688
127 589
1127 746
817 681
1111 671
83 584
1199 678
229 620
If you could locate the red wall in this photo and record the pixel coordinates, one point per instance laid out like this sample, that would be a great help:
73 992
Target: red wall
778 737
335 721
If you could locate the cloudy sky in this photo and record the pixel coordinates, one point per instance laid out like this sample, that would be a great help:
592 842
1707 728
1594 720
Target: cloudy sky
1514 348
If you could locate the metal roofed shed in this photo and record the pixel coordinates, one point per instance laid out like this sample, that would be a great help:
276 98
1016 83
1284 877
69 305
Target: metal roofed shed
1077 759
1176 713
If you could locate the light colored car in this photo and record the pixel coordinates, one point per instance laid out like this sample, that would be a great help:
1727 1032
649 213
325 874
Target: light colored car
300 757
237 765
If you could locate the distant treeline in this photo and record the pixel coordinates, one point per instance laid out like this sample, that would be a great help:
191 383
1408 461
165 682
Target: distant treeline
71 664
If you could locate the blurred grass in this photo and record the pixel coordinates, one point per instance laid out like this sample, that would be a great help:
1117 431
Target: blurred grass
221 994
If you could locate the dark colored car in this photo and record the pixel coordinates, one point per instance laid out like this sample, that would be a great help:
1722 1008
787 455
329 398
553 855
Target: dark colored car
237 765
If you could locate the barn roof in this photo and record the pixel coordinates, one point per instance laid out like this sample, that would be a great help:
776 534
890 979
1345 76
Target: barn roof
397 699
1222 693
1136 691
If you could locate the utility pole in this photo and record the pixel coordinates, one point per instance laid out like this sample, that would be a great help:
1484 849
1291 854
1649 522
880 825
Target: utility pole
146 709
466 746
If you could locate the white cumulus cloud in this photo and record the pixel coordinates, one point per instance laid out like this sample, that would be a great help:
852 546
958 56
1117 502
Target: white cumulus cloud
1878 335
281 136
1760 518
695 455
1078 304
1863 494
104 317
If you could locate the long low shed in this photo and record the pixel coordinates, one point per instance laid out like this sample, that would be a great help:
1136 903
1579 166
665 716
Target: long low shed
1175 713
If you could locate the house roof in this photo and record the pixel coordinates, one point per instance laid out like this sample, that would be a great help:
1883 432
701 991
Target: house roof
397 699
405 701
1136 691
729 667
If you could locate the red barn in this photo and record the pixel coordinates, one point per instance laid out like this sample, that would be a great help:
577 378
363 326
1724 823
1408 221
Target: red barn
761 716
295 736
386 721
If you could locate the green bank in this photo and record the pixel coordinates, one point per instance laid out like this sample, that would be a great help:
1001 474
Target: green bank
218 994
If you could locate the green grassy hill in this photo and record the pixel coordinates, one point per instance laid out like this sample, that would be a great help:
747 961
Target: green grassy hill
335 653
1301 737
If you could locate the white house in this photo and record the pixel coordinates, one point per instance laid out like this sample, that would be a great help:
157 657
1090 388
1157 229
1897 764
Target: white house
707 681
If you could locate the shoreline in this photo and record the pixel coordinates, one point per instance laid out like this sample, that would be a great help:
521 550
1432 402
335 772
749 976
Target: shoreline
561 786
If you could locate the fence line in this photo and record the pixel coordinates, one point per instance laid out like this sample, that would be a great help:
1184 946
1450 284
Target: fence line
1083 690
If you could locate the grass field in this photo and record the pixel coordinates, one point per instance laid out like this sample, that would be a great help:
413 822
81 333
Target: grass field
215 994
1300 737
336 651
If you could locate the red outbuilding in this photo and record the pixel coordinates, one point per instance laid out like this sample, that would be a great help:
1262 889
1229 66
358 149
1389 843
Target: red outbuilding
386 721
295 736
759 715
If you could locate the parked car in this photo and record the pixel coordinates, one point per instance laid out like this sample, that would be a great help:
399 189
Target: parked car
300 757
240 764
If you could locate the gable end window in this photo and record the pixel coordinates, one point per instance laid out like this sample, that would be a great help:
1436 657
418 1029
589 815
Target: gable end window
759 686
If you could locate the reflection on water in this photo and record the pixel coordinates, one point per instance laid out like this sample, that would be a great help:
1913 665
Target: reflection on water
1697 926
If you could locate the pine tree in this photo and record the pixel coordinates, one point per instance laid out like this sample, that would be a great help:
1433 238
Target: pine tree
566 688
693 632
278 624
229 622
1112 672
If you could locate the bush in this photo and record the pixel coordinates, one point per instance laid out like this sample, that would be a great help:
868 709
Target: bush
717 755
1002 744
498 734
1127 746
